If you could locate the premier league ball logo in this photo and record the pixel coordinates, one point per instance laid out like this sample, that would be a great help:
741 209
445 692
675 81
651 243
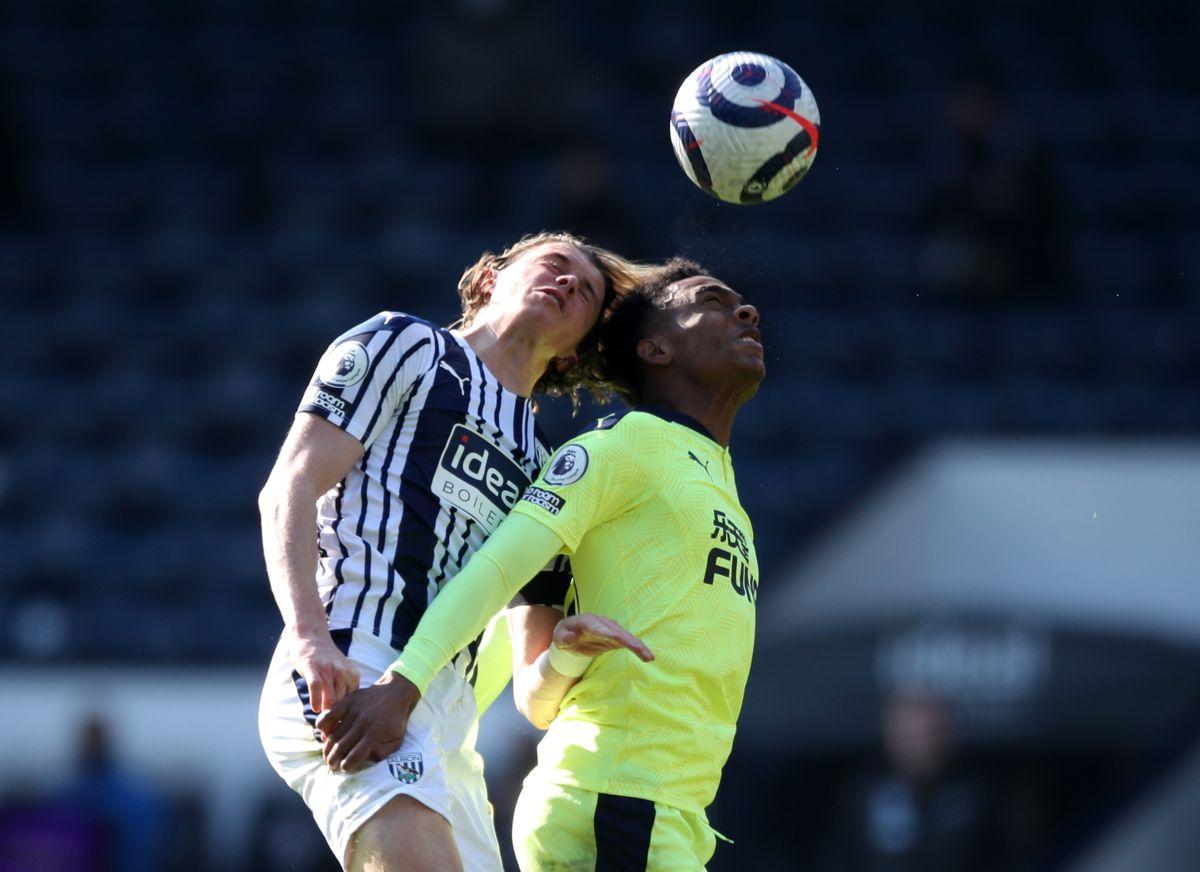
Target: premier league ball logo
568 466
344 365
563 465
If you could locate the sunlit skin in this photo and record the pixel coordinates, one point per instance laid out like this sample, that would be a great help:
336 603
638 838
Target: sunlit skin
538 309
704 355
534 312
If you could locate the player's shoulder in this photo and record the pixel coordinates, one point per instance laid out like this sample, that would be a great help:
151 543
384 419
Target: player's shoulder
626 425
383 343
619 437
396 322
604 424
606 430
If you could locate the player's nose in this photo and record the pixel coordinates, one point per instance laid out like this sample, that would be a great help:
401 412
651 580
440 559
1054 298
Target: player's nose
747 313
568 283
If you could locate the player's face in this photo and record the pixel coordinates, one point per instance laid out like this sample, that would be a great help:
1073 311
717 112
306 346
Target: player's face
715 334
557 286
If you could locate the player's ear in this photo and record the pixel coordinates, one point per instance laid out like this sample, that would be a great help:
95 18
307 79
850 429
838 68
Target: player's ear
562 364
486 283
653 351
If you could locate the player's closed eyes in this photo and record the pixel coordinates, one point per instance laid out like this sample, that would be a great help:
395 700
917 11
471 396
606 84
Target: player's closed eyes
723 298
723 301
558 264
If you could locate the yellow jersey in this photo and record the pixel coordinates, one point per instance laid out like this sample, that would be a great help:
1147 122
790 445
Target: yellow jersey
647 507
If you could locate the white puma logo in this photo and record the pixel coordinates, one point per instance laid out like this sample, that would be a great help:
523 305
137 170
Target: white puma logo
461 379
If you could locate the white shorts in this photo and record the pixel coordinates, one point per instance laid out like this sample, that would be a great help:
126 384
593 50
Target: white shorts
437 764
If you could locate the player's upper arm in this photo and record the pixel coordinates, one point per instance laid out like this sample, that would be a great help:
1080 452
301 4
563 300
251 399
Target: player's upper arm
364 377
316 453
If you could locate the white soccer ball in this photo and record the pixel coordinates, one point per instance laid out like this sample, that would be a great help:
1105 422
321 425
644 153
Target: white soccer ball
745 127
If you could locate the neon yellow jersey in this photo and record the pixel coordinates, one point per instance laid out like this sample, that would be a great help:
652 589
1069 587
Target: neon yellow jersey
648 510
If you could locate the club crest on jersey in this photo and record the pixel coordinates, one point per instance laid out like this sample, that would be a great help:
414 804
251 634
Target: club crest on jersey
344 365
476 477
568 466
406 768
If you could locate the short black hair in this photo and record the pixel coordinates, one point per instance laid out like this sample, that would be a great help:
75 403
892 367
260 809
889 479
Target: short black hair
632 319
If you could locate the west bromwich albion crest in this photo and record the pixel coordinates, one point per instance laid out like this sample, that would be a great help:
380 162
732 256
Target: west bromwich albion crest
406 768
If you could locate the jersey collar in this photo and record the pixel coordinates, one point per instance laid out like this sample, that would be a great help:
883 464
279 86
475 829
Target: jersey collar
677 418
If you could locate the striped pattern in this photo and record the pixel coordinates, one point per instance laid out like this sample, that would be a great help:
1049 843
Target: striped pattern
389 537
623 826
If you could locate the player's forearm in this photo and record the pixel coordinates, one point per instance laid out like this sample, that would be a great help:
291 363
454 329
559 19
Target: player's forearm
512 556
539 689
289 517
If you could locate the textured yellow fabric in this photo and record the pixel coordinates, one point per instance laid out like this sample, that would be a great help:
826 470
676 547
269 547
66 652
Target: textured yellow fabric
554 828
493 663
510 557
648 509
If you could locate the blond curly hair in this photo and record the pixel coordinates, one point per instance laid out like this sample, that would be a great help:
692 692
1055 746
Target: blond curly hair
621 275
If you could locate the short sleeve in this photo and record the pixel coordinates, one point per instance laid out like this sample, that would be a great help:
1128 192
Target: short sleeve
365 375
588 481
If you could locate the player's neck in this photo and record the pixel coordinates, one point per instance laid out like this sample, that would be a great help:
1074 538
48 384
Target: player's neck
515 360
714 409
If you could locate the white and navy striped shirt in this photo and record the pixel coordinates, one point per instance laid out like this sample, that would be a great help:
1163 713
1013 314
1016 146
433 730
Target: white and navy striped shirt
448 452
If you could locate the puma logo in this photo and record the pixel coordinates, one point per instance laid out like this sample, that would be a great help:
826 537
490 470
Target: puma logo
461 379
703 465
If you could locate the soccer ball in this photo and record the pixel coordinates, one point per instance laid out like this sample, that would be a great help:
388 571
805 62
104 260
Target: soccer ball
745 127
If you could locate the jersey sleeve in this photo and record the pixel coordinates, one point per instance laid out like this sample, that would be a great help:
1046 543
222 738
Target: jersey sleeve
510 557
588 481
365 375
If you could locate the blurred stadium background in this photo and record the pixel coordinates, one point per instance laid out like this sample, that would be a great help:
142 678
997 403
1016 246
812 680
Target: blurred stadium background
974 469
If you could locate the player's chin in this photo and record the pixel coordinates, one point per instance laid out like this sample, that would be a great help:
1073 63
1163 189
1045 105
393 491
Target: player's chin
746 372
550 322
539 304
750 353
751 363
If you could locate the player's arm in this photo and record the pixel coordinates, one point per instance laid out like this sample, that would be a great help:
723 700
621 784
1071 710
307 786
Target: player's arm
370 723
359 384
366 726
531 628
551 653
315 456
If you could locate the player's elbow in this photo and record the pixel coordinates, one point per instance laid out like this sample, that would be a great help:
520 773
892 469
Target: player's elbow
274 498
538 712
284 486
540 719
523 700
522 705
269 500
